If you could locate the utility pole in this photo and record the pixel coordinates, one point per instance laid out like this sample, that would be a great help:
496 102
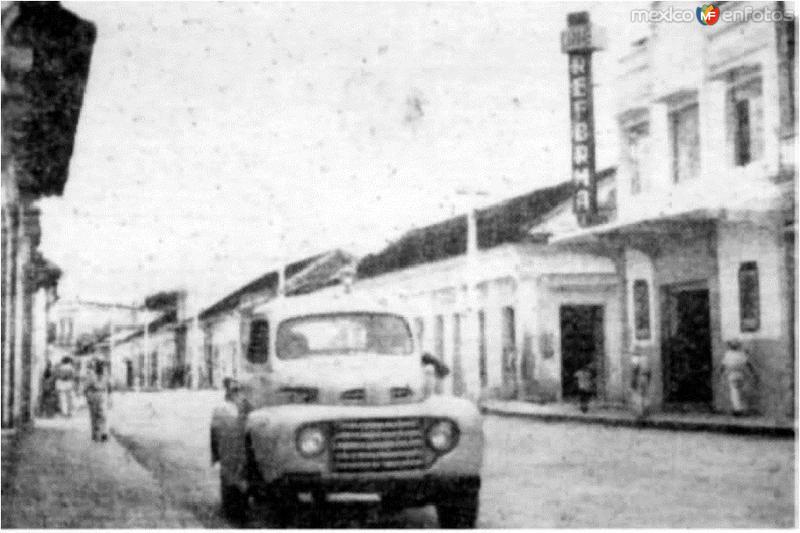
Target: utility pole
471 339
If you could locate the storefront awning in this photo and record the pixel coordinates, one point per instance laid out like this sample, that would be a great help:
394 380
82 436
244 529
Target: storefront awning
656 225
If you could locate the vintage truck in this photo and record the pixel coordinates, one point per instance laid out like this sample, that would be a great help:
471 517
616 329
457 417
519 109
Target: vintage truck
331 404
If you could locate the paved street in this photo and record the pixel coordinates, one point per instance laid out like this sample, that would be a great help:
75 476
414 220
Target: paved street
535 474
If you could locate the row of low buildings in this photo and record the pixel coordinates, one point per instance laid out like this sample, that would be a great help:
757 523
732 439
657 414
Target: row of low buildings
694 246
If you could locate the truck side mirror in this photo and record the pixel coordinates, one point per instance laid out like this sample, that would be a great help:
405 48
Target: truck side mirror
258 344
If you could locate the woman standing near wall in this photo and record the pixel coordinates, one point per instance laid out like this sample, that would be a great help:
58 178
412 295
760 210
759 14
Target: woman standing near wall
735 368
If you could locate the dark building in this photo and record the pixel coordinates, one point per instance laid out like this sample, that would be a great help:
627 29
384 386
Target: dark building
46 56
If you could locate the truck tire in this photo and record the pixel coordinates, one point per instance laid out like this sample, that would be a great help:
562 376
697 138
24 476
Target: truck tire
265 501
458 512
233 502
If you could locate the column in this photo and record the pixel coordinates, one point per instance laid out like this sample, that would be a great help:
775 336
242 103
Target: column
714 148
146 350
195 348
27 239
10 223
525 298
771 97
470 353
38 340
660 160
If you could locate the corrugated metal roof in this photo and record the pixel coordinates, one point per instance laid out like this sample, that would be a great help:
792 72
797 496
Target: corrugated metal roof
269 282
504 222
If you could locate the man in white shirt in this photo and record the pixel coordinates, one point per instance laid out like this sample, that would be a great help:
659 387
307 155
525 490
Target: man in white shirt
735 366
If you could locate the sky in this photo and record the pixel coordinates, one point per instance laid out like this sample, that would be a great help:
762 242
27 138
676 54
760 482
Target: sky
218 140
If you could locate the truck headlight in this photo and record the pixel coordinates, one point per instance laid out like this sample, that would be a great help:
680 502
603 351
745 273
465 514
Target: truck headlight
311 441
442 436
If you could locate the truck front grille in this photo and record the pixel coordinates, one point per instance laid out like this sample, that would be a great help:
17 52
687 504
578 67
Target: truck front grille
378 445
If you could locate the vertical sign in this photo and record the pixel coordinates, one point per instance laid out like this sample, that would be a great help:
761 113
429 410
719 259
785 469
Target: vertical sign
579 41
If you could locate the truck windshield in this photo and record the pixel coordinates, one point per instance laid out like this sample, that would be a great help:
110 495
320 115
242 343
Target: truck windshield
343 333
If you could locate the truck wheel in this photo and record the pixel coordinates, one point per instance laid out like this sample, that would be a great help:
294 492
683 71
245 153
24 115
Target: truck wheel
233 502
458 512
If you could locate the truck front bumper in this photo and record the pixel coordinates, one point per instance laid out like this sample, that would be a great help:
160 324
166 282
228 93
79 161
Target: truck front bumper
400 491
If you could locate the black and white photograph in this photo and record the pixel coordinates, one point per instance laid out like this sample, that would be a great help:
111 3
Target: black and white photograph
399 265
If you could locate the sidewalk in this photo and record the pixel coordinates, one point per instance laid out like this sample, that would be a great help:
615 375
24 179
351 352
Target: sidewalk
59 478
611 416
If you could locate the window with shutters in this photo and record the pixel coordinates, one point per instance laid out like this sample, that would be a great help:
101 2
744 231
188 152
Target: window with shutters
745 117
641 309
636 138
685 139
749 305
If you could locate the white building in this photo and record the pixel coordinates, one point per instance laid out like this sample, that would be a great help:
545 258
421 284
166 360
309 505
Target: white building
492 295
704 237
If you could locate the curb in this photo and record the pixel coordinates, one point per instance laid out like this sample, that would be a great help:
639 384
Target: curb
650 423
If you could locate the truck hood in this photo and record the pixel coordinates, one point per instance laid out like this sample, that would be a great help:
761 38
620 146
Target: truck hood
359 379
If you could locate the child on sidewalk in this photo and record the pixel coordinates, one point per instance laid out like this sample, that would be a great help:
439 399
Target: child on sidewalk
585 386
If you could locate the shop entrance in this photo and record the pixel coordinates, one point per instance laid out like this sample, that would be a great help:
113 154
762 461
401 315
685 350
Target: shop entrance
686 346
581 345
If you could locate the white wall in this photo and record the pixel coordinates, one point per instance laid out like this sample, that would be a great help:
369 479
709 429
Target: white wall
506 275
639 266
759 242
559 290
670 72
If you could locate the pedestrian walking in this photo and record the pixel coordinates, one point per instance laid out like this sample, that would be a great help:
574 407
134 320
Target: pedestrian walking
585 386
97 389
640 383
735 368
48 404
65 386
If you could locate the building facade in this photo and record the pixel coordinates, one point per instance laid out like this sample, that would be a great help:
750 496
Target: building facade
82 329
151 351
705 233
492 298
46 56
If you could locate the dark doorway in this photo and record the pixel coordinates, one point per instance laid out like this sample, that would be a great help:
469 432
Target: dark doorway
509 355
581 345
129 373
686 347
